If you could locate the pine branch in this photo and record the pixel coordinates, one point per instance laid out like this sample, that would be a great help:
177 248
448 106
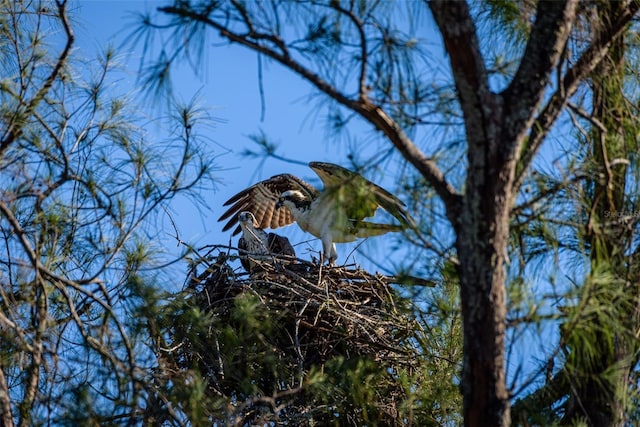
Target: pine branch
16 128
587 62
547 41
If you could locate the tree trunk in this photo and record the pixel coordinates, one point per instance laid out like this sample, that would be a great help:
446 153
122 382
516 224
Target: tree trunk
496 126
482 246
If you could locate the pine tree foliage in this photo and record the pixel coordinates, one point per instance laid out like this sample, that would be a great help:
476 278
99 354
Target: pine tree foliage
588 222
525 252
82 186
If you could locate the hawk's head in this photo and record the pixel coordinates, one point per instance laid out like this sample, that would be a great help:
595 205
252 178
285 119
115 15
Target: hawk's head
246 219
293 199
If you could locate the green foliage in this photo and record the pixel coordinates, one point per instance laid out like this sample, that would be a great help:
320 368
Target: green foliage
514 17
82 411
595 320
82 186
350 390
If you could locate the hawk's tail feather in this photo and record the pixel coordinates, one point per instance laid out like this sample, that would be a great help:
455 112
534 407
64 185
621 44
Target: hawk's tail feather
396 208
370 229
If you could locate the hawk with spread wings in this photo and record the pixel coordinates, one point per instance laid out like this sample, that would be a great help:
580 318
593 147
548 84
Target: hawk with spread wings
257 245
334 214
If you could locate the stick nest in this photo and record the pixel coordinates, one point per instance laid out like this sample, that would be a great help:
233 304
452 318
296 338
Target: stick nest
320 306
273 327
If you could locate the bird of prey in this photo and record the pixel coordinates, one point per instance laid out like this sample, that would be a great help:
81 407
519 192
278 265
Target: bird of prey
334 214
258 245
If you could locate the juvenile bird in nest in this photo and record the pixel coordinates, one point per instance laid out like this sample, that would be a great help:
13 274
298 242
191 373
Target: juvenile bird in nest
257 245
334 214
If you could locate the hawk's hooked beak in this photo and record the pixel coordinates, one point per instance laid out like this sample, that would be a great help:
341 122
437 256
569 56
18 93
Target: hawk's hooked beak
279 203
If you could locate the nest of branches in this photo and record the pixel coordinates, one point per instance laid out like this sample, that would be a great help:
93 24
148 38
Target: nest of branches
271 329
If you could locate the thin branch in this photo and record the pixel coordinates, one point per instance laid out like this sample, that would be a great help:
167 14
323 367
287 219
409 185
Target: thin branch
547 192
362 81
33 371
6 418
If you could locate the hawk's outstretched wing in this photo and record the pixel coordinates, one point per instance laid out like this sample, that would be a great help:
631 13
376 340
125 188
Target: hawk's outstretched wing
359 197
260 199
